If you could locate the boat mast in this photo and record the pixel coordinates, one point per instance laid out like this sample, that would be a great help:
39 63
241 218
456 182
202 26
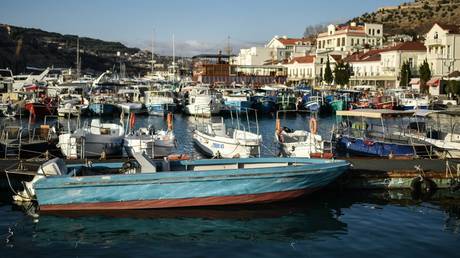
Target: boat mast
78 57
174 60
153 50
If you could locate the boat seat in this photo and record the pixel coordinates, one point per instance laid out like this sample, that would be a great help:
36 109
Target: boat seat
146 163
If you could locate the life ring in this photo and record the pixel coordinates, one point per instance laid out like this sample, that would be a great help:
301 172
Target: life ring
422 187
313 126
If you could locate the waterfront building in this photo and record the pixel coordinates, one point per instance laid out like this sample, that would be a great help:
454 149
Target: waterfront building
310 68
443 49
253 56
347 38
283 48
382 67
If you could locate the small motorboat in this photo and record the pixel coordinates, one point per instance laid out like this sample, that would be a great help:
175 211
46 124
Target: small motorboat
155 143
94 140
300 143
220 140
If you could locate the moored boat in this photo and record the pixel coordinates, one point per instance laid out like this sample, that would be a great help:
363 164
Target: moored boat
149 184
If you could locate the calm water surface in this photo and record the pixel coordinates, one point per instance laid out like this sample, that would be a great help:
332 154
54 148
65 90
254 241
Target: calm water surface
325 224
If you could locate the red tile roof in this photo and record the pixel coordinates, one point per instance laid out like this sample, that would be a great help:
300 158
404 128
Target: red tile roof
292 41
455 29
408 46
374 55
303 60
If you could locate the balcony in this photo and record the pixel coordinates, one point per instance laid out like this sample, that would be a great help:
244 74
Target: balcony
435 42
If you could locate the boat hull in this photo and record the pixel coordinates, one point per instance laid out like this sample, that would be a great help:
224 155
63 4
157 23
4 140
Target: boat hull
189 188
161 109
361 147
100 109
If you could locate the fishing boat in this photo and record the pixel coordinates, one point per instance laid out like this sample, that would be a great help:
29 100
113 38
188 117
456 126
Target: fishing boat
102 102
203 101
155 143
236 100
94 140
216 139
300 143
129 101
159 103
149 184
286 100
377 133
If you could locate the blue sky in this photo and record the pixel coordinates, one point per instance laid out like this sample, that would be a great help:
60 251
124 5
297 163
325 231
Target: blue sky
198 25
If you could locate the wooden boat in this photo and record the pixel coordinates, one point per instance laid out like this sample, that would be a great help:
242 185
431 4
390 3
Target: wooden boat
148 184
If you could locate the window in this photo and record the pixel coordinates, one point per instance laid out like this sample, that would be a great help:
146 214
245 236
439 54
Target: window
378 32
343 41
338 42
411 62
364 41
352 42
370 31
435 35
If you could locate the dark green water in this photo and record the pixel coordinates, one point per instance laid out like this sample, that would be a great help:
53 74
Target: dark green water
322 225
352 224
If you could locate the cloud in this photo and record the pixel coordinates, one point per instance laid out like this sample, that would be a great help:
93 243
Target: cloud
192 47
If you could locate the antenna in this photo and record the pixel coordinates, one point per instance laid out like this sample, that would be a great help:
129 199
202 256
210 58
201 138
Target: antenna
228 50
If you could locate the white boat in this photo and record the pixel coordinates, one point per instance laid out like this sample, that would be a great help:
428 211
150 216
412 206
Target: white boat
154 143
71 105
218 140
410 101
129 101
160 102
94 140
203 101
299 143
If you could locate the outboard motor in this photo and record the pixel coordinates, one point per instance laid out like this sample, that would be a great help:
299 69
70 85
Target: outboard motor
53 167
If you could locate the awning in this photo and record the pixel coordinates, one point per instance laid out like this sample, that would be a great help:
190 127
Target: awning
434 82
414 81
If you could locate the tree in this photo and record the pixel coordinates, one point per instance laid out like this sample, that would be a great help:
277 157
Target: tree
342 73
405 74
328 77
425 75
453 87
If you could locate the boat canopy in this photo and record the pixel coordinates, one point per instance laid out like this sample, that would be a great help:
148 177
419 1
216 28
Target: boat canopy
374 113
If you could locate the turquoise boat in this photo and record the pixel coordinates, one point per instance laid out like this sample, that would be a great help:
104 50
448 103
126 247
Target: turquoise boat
148 184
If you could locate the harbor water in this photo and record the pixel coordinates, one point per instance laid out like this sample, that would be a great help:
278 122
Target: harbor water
325 224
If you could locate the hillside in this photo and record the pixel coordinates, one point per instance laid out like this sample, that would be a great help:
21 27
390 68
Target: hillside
414 18
22 47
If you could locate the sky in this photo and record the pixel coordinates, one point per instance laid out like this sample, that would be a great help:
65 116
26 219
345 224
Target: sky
198 26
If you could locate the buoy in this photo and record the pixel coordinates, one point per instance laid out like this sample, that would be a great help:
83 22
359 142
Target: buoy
313 126
169 120
422 188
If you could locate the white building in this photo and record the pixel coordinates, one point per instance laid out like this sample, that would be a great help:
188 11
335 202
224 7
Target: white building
284 48
382 67
310 68
346 38
443 49
253 56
